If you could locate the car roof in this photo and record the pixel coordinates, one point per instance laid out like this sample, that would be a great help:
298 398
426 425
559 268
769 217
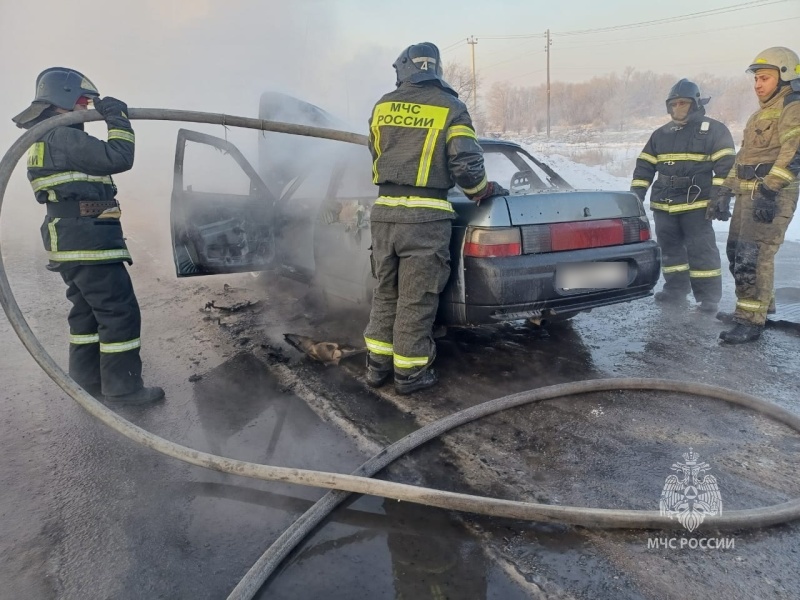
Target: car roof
495 142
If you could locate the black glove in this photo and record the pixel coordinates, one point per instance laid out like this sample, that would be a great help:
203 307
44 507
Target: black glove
764 204
111 107
719 208
492 189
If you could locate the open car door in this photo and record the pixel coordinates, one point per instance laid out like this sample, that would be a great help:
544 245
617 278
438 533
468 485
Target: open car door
221 212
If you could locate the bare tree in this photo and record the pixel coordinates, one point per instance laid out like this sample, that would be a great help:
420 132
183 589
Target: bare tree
460 79
616 100
499 108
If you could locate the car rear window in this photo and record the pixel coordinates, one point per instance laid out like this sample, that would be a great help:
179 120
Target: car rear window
514 171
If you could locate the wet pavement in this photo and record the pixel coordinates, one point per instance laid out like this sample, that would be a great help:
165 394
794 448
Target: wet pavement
611 450
86 513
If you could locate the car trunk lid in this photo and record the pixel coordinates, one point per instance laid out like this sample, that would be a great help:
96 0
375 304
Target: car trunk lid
572 206
556 222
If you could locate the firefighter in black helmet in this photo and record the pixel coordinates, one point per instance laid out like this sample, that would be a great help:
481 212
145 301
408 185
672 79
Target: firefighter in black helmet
70 172
422 143
691 155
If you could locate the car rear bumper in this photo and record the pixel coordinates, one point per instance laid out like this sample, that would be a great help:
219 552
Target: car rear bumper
492 290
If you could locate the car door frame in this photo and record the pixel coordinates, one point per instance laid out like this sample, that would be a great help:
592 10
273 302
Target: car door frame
187 262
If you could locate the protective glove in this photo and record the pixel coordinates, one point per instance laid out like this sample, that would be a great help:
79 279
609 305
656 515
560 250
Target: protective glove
492 189
719 208
764 204
111 107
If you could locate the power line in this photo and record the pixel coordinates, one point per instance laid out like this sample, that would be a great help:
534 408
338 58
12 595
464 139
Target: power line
652 22
513 58
614 28
503 49
453 46
511 36
671 35
665 20
520 56
531 72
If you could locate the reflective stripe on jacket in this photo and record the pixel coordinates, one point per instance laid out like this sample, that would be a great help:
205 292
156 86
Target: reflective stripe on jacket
690 160
421 135
69 165
771 136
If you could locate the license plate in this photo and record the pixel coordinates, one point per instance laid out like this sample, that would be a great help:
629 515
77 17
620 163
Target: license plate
593 275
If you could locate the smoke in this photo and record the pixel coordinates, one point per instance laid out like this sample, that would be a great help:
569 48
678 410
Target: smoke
186 54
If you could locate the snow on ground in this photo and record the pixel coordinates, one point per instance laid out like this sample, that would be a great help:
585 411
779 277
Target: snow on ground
569 158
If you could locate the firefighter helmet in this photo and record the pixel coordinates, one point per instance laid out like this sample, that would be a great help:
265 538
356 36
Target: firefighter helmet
687 89
59 87
417 63
784 60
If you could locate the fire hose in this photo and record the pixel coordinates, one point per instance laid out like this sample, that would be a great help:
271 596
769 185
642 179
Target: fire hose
360 480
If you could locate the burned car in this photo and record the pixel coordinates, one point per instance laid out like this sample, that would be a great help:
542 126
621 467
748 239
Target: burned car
544 252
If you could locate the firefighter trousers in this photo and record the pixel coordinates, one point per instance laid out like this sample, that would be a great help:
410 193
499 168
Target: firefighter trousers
411 262
104 326
751 250
690 257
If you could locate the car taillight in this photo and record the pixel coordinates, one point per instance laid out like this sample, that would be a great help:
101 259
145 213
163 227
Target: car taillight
637 229
586 234
493 242
580 235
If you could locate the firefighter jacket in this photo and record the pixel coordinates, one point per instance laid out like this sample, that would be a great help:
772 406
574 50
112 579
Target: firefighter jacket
422 143
69 168
770 149
691 161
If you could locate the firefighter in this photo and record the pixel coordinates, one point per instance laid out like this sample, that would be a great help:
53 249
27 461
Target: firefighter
691 154
70 172
765 181
422 143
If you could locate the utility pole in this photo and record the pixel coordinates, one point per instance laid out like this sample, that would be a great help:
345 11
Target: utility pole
472 41
547 51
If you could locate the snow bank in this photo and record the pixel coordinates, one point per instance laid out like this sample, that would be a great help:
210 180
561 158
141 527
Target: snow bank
559 155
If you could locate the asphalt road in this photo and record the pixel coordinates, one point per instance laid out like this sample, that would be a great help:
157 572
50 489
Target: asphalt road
86 514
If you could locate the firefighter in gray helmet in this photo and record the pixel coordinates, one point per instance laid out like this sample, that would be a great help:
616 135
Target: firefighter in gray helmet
70 172
685 162
765 181
422 143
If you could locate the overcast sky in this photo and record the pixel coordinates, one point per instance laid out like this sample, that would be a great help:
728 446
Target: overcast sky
218 56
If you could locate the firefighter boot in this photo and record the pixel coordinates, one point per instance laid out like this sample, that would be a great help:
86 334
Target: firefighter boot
378 370
741 333
708 307
725 317
670 298
93 389
408 384
145 395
